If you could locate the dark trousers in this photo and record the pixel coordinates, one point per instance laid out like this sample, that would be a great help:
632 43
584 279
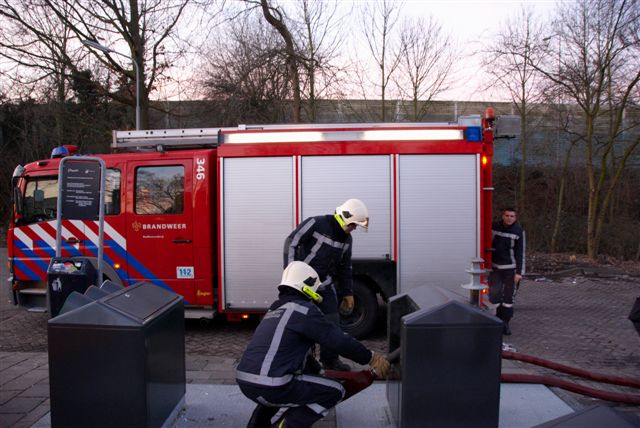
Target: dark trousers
307 398
329 308
502 292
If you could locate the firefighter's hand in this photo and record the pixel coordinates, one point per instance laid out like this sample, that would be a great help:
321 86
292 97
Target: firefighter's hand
379 365
346 306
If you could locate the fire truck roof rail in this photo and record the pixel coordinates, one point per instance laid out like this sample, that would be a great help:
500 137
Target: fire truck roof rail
165 139
338 126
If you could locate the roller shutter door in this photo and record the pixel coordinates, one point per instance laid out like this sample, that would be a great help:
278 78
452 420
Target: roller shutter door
253 245
328 181
438 220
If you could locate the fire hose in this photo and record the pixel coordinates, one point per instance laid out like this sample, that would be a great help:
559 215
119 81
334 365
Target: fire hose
619 397
354 382
598 377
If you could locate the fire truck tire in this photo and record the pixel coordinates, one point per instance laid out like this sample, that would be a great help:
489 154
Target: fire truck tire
365 311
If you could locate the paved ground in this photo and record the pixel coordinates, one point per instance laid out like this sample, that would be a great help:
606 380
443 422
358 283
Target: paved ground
576 320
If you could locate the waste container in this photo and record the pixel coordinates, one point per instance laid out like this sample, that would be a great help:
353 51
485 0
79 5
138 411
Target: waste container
65 275
450 361
118 361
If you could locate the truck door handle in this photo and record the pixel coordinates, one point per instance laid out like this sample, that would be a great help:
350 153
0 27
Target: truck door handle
182 241
73 240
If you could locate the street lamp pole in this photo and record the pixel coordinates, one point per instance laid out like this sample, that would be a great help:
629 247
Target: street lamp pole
105 49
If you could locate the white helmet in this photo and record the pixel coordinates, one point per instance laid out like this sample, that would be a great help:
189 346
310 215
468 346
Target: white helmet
353 211
302 277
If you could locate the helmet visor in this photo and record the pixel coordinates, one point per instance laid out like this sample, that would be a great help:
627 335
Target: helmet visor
364 223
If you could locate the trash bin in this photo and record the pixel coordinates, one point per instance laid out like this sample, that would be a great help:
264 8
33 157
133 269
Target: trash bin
118 361
450 361
65 275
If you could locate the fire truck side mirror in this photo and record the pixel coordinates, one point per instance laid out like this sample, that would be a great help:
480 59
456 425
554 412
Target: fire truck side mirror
17 195
17 198
507 126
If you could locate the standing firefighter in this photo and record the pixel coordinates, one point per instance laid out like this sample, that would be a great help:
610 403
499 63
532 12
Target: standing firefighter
508 265
277 369
325 243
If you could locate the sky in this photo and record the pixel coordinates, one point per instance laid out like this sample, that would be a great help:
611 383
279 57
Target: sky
474 23
471 22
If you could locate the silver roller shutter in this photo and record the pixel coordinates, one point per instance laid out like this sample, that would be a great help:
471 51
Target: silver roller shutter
258 216
328 181
438 220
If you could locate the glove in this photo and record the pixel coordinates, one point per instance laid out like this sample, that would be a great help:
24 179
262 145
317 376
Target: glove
379 365
346 306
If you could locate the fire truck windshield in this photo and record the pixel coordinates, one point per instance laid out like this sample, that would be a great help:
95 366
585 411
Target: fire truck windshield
40 199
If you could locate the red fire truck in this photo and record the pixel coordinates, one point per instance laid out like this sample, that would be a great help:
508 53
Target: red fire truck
205 212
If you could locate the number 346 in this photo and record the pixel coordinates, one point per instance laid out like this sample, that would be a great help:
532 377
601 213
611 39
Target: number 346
200 168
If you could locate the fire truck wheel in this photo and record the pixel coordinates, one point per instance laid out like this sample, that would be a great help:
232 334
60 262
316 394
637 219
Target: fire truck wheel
365 311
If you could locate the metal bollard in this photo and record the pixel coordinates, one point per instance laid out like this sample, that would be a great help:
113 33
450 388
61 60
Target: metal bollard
475 285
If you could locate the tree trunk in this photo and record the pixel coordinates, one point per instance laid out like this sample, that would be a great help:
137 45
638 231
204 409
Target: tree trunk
313 107
522 208
60 105
556 225
292 62
592 210
382 87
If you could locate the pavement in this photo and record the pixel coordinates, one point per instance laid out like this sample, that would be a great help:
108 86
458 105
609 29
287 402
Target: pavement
580 321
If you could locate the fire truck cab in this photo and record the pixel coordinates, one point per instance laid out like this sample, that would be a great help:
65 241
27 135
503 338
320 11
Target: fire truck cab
205 212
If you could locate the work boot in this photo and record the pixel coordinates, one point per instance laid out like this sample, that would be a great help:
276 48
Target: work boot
261 416
336 365
505 329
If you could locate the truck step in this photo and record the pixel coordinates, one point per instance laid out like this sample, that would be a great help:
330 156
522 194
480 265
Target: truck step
34 291
198 313
33 299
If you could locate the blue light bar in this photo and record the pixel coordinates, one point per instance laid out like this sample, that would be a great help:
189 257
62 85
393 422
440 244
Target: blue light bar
473 133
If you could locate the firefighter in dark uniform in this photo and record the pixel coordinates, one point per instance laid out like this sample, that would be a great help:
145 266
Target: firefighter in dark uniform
325 243
277 369
508 265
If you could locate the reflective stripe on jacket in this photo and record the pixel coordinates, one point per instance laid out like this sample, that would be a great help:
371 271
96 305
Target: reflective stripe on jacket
322 244
279 347
509 247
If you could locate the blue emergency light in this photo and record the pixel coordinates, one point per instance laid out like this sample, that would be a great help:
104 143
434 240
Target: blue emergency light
473 133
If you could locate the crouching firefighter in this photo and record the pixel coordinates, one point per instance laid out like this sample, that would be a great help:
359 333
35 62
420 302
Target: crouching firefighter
277 370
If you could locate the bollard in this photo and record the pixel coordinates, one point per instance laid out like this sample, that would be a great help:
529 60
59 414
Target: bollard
450 362
475 285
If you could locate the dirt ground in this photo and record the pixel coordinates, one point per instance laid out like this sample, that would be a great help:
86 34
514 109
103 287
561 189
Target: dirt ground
564 264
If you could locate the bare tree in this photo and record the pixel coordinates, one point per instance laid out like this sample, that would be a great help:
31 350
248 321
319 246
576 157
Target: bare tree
600 72
512 61
39 47
276 18
148 30
245 74
319 39
553 245
378 22
427 56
